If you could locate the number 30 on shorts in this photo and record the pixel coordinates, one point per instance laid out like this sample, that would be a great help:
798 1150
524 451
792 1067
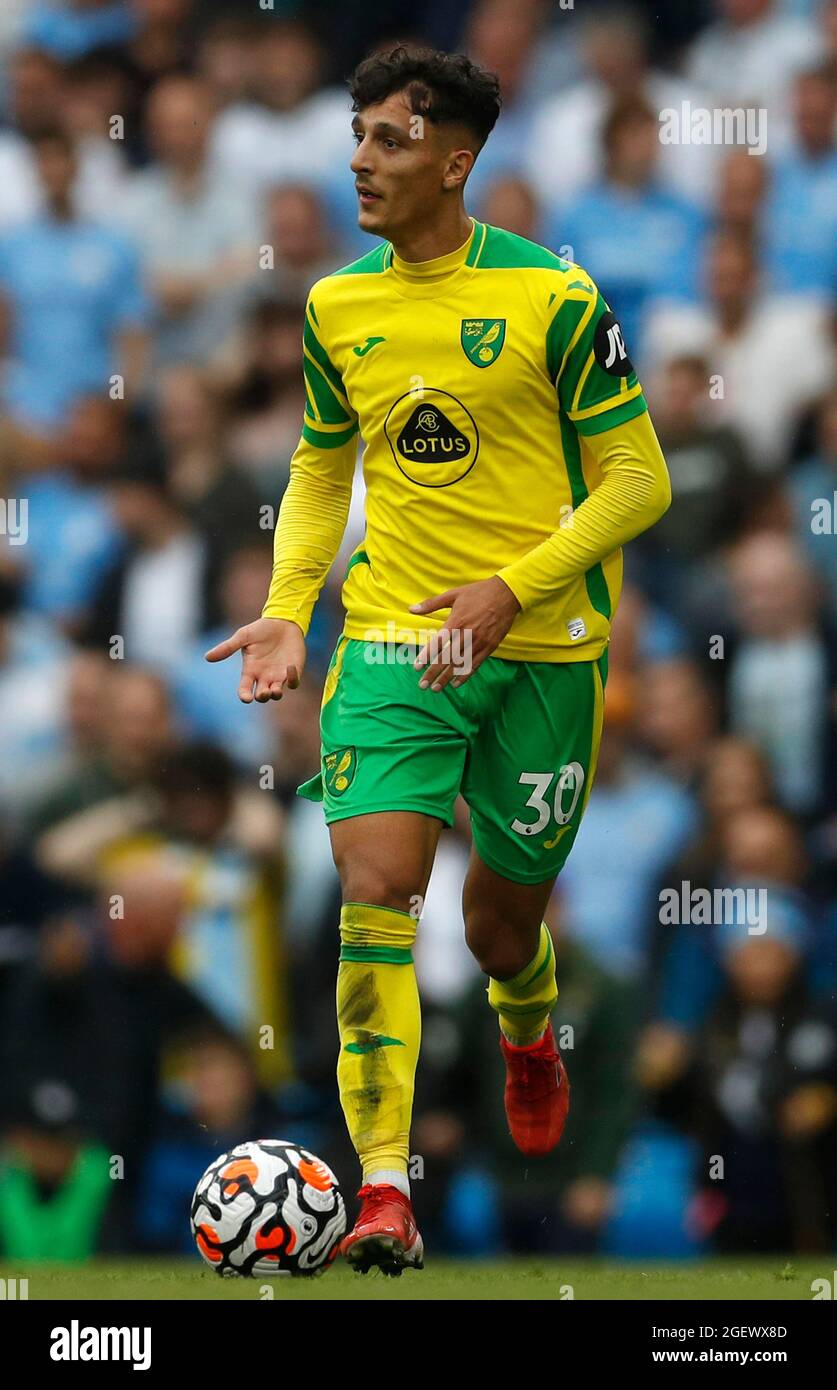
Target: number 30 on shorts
569 781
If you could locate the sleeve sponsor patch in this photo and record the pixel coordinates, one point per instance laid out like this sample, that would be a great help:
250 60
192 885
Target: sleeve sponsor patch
609 347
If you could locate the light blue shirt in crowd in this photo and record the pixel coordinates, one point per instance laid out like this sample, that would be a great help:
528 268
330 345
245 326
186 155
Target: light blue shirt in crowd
209 708
638 246
70 33
800 225
631 833
73 541
71 288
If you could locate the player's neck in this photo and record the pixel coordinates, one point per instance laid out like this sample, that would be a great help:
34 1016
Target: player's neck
431 240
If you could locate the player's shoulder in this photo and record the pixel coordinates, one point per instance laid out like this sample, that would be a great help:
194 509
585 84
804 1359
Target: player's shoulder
502 250
559 278
497 249
331 286
336 296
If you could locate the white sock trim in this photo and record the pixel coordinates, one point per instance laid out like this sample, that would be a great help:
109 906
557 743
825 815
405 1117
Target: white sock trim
392 1177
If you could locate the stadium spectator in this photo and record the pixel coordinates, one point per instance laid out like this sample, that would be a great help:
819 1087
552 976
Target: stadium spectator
677 717
291 130
715 491
767 1098
163 44
97 986
749 337
503 36
225 57
137 729
43 94
801 215
74 535
562 157
629 208
97 95
221 842
781 670
266 392
190 435
197 228
205 707
734 778
28 897
34 669
751 54
611 916
164 556
72 302
301 241
215 1099
743 188
757 881
510 202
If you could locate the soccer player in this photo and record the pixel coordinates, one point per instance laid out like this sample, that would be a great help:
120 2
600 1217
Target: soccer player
508 456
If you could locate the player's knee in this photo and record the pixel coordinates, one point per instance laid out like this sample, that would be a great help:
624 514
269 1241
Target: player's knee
483 937
500 946
377 886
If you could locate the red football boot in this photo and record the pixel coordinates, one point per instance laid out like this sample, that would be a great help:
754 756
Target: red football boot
537 1094
385 1233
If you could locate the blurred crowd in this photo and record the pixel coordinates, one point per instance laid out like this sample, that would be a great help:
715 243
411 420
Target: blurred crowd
173 179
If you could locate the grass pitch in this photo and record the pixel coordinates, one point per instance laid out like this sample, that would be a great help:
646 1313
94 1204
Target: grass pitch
443 1279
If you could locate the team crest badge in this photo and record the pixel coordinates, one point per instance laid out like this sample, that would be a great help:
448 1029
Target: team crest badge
482 340
339 770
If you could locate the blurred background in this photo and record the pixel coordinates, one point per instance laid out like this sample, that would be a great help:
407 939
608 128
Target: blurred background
173 178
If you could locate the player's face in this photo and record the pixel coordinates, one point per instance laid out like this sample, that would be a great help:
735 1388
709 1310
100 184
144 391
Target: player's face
402 167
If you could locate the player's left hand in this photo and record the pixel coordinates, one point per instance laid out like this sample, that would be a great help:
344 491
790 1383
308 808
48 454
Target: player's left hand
480 616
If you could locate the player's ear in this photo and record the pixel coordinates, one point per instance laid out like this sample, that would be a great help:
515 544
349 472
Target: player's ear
458 167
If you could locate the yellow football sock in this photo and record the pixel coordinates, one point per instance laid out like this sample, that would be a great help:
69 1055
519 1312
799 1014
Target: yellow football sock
524 1002
379 1020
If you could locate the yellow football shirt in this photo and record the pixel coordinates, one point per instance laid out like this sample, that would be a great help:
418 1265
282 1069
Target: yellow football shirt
479 383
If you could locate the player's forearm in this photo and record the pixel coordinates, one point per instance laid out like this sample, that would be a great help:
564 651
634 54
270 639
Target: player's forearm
633 494
310 527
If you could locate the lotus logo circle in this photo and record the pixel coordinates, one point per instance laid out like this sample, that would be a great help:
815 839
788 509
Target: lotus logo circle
434 438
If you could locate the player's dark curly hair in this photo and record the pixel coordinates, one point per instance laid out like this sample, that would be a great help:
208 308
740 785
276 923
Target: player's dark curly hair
442 87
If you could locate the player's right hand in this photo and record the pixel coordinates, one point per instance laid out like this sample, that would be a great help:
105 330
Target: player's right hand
272 658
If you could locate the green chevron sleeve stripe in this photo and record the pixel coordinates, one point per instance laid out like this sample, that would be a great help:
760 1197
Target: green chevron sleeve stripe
329 419
567 324
327 438
314 348
324 403
581 358
613 414
586 388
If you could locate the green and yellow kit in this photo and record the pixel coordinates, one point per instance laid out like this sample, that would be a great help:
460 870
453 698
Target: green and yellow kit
505 433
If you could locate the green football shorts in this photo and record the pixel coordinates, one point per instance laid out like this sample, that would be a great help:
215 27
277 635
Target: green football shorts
519 740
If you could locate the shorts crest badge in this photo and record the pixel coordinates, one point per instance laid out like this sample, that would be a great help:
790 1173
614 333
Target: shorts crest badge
339 770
